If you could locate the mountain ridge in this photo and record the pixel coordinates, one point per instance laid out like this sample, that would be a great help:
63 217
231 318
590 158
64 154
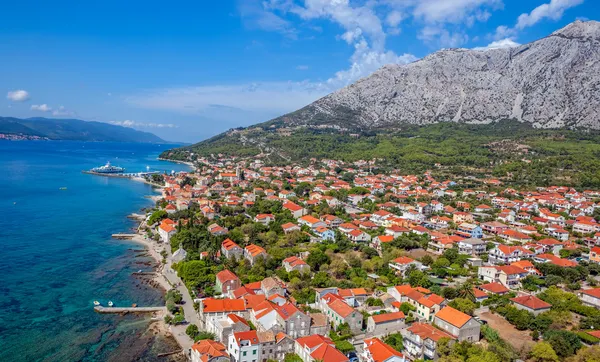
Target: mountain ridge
552 83
74 130
534 82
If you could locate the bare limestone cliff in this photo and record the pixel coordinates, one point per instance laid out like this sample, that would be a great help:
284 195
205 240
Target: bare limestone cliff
552 82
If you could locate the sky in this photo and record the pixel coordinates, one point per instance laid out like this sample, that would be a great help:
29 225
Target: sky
189 70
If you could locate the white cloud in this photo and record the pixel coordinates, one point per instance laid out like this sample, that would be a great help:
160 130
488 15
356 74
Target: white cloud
362 29
41 107
442 37
499 44
352 18
302 67
352 35
365 61
18 95
394 18
444 22
62 111
256 15
133 124
278 97
503 32
553 10
454 11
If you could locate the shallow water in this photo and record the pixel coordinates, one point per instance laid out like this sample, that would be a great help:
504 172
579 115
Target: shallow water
56 254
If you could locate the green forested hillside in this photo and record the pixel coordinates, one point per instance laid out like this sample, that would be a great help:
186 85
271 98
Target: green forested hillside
74 130
510 150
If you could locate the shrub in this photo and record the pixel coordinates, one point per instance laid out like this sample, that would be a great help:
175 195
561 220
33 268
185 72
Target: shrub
564 343
192 331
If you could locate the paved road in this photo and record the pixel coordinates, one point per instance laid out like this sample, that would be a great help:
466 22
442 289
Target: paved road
188 307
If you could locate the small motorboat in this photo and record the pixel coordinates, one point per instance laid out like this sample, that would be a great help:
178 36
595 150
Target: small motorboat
110 304
62 188
96 303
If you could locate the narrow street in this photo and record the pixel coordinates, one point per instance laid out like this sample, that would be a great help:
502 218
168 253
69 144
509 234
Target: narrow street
188 307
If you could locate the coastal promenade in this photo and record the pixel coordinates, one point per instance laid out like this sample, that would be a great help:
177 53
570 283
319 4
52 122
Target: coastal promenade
188 307
168 279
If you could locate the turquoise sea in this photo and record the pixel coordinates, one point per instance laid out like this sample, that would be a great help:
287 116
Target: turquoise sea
57 256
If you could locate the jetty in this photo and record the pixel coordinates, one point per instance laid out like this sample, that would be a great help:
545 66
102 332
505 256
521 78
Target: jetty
143 273
123 236
119 310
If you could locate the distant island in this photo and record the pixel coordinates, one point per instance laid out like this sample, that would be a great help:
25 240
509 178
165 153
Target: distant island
72 130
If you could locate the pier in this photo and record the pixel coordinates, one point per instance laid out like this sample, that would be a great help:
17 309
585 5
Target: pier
119 310
122 175
123 236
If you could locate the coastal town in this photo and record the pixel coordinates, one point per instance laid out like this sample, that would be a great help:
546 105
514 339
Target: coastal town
330 261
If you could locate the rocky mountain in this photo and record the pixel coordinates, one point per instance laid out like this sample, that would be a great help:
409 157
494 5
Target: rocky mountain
550 83
74 130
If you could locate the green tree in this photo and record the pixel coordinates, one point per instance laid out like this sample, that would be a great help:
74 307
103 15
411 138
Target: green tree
463 305
395 341
564 343
192 331
590 354
156 216
292 357
316 259
417 278
344 346
543 352
204 335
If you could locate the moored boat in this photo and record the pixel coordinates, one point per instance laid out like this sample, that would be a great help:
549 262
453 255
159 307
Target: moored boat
108 168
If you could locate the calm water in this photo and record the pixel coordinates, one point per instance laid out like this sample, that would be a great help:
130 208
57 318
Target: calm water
56 254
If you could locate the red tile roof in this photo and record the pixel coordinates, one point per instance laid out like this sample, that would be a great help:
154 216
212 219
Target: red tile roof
313 341
388 317
403 260
453 316
426 331
511 269
210 349
212 305
531 302
494 287
255 250
229 244
593 292
380 352
328 353
249 336
226 275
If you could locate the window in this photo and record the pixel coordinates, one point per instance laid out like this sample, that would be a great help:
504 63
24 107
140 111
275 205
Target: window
244 353
254 352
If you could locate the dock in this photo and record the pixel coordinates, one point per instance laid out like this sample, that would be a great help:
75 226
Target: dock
123 236
119 310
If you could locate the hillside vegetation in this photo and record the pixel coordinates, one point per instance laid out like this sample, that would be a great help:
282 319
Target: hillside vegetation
509 150
74 130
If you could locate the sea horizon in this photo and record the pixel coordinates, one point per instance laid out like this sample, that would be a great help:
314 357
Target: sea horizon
60 257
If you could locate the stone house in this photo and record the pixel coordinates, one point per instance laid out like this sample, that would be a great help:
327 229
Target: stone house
458 324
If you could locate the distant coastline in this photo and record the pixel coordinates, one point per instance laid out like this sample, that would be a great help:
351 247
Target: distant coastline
21 137
191 164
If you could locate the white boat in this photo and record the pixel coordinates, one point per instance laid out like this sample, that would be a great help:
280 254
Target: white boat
96 303
110 304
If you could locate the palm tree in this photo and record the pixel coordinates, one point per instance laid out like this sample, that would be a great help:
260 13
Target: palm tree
465 290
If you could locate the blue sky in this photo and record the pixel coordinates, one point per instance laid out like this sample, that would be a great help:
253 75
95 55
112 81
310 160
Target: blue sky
189 70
